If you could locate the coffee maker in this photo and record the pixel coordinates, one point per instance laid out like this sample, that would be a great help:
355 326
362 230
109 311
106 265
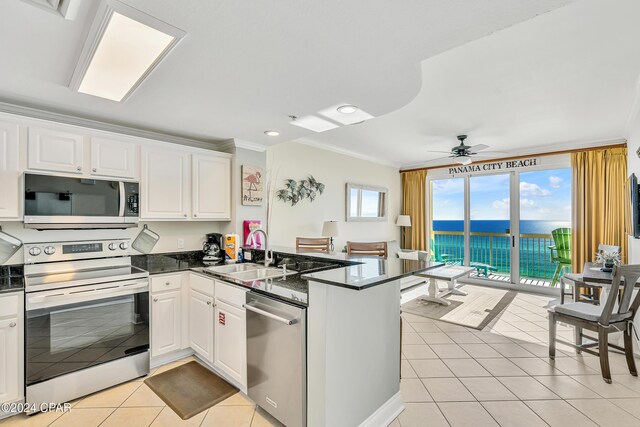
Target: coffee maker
213 248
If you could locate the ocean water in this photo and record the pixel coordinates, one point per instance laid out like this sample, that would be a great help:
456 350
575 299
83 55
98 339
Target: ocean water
535 256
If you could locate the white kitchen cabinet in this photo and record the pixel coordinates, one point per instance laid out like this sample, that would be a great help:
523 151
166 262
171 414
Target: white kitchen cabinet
9 359
56 151
230 341
166 322
112 158
9 171
211 187
164 184
201 324
11 347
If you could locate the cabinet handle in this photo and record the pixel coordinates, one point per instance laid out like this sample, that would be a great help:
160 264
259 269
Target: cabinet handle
208 302
195 215
79 168
95 169
155 300
167 284
185 215
12 324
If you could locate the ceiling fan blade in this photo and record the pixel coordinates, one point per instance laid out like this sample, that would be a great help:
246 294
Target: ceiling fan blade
479 147
439 152
491 153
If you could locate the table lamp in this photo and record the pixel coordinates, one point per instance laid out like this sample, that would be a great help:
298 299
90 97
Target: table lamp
330 229
403 221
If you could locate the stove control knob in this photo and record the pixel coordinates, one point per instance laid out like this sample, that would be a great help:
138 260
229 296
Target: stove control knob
49 250
124 245
35 251
113 246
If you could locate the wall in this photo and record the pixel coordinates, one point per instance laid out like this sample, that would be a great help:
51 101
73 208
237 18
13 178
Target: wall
239 212
633 166
297 161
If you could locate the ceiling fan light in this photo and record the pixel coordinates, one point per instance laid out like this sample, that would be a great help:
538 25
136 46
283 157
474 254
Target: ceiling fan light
463 160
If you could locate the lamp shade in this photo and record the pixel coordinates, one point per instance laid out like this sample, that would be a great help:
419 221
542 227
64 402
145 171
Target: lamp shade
330 229
403 221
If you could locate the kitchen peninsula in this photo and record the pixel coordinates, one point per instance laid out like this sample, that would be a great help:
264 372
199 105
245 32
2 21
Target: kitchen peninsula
353 336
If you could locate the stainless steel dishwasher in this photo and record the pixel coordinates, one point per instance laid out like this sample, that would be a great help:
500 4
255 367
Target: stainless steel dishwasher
276 358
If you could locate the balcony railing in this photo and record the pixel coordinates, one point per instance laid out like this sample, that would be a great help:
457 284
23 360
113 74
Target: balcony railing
494 249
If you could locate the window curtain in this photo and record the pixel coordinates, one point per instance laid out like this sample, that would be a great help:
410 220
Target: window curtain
598 202
414 204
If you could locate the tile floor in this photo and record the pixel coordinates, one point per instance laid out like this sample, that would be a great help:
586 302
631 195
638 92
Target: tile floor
452 376
133 404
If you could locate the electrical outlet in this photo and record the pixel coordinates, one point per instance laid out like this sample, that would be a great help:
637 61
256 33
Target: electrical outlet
180 243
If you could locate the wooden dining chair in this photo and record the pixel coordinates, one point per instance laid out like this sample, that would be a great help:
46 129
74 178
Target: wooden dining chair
367 248
603 319
315 244
592 289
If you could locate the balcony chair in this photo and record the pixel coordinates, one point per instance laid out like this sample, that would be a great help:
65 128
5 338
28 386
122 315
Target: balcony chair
435 255
367 248
560 252
592 290
603 319
313 244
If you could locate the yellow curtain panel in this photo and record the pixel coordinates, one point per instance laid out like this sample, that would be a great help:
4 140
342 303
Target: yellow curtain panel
414 204
598 202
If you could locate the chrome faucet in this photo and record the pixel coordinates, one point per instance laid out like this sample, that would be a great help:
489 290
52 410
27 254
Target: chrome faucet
268 254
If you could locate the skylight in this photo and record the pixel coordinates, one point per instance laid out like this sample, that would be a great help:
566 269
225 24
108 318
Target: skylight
123 48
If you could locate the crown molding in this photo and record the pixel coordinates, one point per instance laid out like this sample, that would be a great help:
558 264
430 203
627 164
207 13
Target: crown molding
346 152
40 113
248 145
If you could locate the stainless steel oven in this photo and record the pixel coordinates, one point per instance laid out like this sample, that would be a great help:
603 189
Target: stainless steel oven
87 320
54 202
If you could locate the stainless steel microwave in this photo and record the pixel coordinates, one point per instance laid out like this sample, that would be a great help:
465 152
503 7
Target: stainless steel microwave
57 202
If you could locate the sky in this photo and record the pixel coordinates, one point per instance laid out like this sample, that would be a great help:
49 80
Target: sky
544 195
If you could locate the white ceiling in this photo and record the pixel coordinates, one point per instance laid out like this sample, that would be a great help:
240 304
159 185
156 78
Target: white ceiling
563 79
246 65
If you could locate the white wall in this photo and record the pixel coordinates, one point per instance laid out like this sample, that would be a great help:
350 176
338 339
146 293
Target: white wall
633 166
297 161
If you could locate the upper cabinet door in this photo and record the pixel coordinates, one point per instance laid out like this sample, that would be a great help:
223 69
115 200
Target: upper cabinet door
56 151
9 173
164 184
211 187
113 158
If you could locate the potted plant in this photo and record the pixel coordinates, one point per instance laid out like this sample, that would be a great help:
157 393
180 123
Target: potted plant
608 259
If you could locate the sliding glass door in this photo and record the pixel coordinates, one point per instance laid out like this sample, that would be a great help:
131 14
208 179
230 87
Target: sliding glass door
501 224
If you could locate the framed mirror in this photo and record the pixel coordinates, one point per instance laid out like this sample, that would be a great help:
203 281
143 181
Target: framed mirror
366 203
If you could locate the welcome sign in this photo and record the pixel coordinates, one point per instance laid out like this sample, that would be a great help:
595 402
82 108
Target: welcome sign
495 166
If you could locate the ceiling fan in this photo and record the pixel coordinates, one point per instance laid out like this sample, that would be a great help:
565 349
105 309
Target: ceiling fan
462 153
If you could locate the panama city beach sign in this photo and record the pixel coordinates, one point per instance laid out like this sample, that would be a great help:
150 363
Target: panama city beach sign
503 165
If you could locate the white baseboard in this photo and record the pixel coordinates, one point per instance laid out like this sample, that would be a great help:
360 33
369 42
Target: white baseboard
170 357
385 414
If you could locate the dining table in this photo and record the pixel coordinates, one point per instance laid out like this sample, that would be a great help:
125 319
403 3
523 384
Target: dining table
592 273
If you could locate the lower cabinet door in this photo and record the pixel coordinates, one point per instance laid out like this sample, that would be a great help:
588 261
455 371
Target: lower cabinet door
230 348
201 324
9 351
166 323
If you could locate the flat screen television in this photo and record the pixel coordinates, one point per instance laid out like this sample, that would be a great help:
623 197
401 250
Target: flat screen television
632 220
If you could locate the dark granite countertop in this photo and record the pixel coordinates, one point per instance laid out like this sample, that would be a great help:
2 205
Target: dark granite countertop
168 262
358 272
11 278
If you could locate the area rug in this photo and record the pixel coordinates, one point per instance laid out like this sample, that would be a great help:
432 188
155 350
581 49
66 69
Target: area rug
475 310
190 389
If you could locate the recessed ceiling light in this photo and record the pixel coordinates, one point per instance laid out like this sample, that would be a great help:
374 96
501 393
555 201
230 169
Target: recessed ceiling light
271 132
313 123
347 109
123 48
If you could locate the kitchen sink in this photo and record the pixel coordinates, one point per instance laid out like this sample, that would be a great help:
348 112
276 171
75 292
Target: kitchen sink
233 268
248 272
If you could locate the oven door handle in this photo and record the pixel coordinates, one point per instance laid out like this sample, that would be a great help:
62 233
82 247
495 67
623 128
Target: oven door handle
122 199
70 297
